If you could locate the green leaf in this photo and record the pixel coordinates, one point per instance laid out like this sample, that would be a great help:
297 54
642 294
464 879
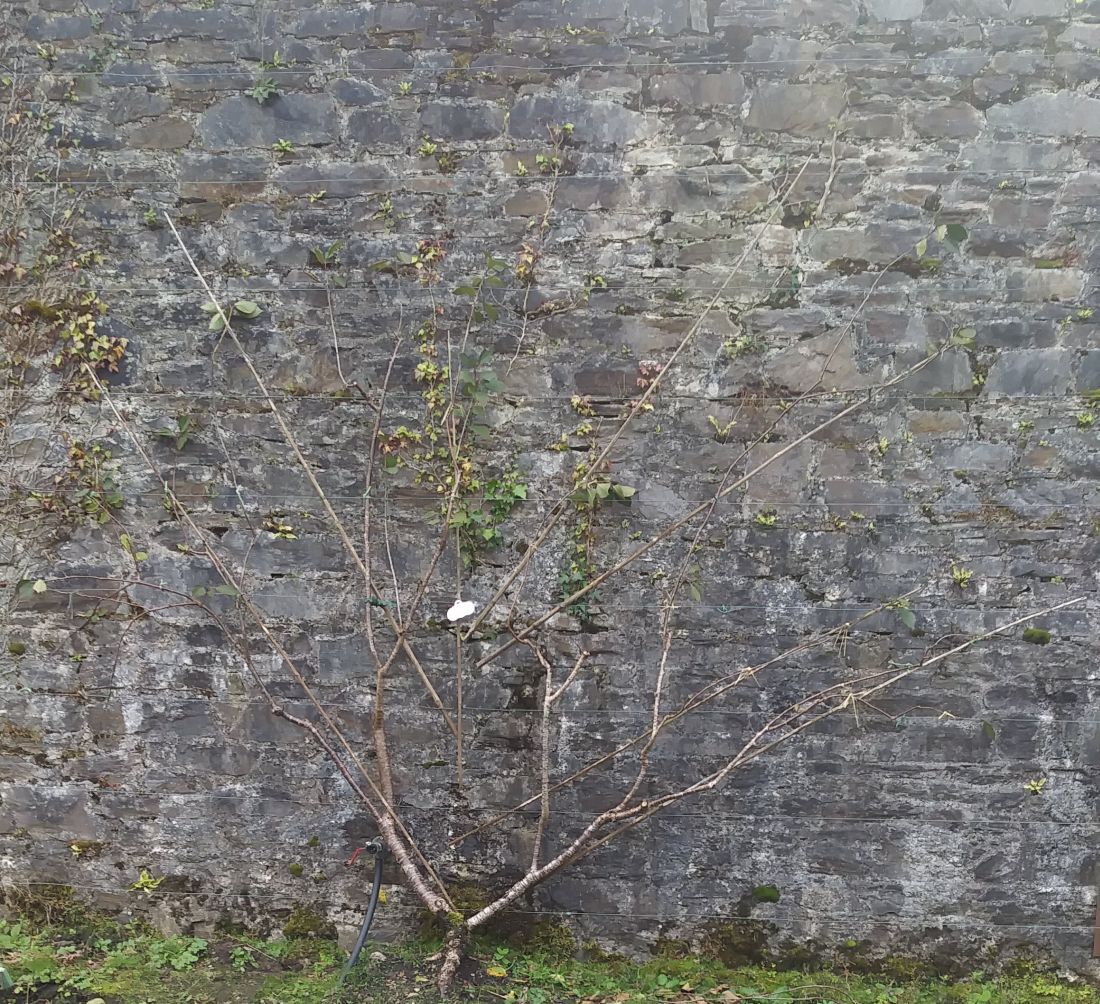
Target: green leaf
965 338
209 308
988 730
247 308
141 555
124 540
216 323
227 591
405 258
941 232
955 233
922 247
198 591
519 491
465 291
907 617
625 491
696 592
39 586
491 312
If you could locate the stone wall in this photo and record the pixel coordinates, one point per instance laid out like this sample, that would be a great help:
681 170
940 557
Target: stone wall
139 744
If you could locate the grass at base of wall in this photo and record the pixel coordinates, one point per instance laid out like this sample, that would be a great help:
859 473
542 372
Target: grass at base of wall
134 966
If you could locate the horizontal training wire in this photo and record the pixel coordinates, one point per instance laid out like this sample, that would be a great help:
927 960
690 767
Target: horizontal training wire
636 173
288 749
342 72
942 508
513 399
896 920
232 701
838 285
684 606
407 810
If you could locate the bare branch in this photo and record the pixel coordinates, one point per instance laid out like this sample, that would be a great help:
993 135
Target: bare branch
705 695
292 442
437 902
637 408
698 510
835 699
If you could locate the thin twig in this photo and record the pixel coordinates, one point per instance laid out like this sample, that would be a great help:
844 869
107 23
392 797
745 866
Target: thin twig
637 408
598 580
624 817
306 467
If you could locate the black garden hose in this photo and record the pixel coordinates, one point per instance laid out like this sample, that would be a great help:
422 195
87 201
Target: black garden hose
379 853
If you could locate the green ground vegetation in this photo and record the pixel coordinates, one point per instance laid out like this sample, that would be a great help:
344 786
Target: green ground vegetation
102 963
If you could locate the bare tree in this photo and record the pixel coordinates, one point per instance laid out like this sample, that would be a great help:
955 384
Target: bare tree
486 609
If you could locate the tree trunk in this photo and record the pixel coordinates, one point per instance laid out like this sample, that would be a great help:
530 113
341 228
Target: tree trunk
454 949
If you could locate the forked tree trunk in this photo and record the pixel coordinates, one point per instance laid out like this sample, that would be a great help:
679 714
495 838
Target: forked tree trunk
454 949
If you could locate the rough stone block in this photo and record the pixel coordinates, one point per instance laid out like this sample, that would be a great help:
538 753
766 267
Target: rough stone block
462 121
1064 114
597 123
162 134
357 92
1030 371
303 119
183 23
801 109
59 29
695 90
951 121
374 128
895 10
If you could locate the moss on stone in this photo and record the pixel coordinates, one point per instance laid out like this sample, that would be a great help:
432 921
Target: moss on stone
766 894
550 939
1036 636
304 922
737 943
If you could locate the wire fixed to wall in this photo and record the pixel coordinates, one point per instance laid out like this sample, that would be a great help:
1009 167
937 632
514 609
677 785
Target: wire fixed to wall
653 286
386 183
513 399
341 71
857 921
227 701
717 817
686 605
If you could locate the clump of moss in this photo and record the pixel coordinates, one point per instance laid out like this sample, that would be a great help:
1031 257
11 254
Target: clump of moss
550 940
739 942
1037 636
57 906
905 968
16 648
468 897
9 730
766 894
295 869
306 923
671 948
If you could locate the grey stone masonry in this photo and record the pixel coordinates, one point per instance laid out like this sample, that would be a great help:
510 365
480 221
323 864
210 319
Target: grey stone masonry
959 813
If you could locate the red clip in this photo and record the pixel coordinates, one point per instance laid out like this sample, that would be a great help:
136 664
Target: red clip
354 856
